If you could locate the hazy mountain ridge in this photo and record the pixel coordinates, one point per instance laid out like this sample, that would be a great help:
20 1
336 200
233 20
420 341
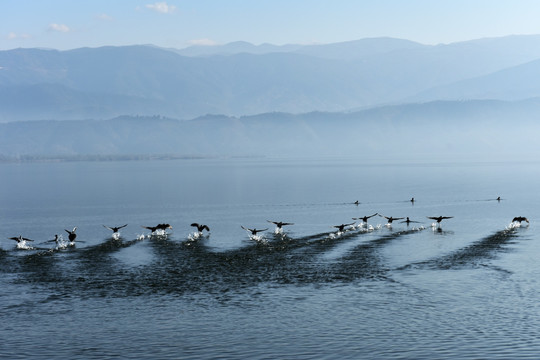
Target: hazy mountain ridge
106 82
469 128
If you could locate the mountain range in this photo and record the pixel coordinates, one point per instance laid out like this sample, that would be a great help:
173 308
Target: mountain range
241 79
434 131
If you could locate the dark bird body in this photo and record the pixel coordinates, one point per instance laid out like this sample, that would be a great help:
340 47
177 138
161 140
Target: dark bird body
439 218
408 221
72 236
519 219
253 231
56 239
390 219
158 227
115 228
279 224
20 239
342 226
200 227
365 218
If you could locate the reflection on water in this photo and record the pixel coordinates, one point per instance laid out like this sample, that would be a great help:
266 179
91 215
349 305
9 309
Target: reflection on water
466 289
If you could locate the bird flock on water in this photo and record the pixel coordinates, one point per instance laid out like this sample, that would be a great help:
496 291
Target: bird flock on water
160 229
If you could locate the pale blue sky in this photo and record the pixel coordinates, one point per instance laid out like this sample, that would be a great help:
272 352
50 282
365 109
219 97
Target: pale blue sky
68 24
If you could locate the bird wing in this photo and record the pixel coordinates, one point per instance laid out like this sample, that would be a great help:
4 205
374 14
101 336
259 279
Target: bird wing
123 226
446 217
27 239
206 227
69 232
107 227
386 217
195 224
432 217
14 238
370 216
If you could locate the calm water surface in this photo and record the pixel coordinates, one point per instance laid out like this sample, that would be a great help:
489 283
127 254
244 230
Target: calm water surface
466 290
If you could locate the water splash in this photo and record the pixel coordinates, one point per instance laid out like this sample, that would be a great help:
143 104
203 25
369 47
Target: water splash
515 225
23 245
258 238
278 231
61 243
116 236
195 236
336 235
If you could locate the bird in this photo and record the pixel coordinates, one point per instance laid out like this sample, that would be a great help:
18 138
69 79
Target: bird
157 227
365 218
279 224
200 227
499 198
20 239
115 228
56 239
253 231
408 221
519 219
412 200
390 219
72 236
356 202
439 218
342 226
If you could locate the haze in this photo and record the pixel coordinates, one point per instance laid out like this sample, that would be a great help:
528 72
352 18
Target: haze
388 79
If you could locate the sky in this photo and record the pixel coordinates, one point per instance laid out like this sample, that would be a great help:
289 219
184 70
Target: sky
69 24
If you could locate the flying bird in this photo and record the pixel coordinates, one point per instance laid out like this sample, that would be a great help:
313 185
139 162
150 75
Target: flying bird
390 219
56 239
365 218
408 221
279 224
519 219
115 229
439 218
200 227
72 236
157 227
20 239
342 226
253 231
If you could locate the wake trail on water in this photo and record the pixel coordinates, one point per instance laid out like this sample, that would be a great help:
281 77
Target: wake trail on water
190 266
472 255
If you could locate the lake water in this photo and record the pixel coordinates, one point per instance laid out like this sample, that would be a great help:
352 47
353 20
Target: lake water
468 289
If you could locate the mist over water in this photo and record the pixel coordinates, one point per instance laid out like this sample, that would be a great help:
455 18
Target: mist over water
464 289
